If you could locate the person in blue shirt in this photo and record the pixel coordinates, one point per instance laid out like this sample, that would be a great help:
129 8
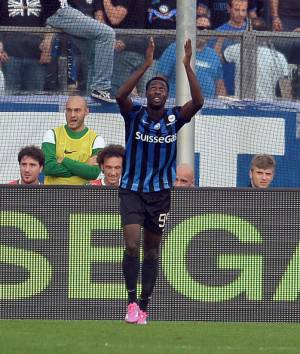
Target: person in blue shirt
149 173
218 11
208 66
238 22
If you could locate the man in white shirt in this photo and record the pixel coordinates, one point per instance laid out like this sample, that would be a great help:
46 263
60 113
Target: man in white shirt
271 68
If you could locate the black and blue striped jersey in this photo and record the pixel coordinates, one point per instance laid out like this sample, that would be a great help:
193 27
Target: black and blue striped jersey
150 158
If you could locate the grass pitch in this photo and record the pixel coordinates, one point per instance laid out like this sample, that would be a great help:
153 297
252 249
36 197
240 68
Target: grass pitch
115 337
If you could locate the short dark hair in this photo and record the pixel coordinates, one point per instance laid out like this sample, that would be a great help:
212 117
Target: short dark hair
231 1
157 78
206 18
258 24
32 151
110 151
263 161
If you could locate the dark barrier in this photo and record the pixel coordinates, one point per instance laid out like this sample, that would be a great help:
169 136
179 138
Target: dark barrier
227 255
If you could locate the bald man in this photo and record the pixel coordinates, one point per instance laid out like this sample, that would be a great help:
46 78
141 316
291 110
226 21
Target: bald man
184 176
70 150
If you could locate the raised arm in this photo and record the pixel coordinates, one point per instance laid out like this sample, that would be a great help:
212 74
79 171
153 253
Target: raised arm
190 108
123 93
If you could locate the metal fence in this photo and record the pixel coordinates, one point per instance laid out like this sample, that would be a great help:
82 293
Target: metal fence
286 43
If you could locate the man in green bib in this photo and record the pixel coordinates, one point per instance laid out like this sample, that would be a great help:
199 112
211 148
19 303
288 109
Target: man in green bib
70 150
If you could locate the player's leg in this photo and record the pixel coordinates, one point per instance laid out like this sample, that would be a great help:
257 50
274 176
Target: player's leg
131 262
149 271
157 206
131 217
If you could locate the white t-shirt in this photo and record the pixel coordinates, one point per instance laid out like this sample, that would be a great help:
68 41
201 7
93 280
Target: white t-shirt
271 66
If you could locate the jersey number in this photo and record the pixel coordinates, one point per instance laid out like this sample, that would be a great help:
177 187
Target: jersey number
162 220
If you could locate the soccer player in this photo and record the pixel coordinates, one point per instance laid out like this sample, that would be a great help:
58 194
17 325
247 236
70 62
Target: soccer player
149 173
31 161
262 171
184 176
110 161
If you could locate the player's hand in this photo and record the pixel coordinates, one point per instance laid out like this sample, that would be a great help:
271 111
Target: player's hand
188 52
150 52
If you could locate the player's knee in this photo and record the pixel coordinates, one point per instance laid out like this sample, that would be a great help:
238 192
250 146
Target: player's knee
132 250
152 253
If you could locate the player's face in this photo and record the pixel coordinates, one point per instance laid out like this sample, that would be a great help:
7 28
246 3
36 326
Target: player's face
238 12
76 111
261 178
112 169
157 94
184 177
29 170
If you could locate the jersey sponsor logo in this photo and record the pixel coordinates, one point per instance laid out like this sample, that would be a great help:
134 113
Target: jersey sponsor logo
69 151
202 64
156 139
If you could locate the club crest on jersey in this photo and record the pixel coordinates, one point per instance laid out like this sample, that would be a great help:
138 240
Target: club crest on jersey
171 118
157 126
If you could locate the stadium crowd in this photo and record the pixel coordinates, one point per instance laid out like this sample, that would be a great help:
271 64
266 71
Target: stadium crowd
99 60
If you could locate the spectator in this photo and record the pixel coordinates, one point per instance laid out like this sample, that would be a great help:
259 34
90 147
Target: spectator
218 10
271 68
90 36
70 150
262 171
129 50
285 15
237 22
161 14
110 161
184 176
208 66
23 55
2 80
31 161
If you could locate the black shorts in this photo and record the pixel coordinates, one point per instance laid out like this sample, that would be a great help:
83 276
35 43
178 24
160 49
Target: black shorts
147 209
